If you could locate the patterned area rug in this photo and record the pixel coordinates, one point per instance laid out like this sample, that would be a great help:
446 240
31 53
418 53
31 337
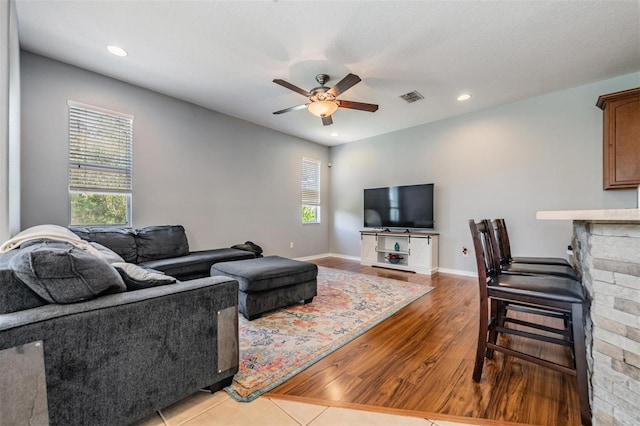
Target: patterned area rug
284 342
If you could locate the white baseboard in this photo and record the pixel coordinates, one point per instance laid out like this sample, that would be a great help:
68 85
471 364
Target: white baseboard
357 259
458 272
320 256
344 256
314 257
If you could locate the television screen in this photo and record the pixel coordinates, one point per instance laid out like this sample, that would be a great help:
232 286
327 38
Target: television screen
409 206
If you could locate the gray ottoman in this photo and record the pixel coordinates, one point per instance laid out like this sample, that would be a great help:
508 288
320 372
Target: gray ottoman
268 283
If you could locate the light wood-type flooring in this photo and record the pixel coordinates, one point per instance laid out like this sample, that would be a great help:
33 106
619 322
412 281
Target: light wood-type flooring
421 360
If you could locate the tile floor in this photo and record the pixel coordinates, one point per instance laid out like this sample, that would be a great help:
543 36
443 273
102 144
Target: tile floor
204 408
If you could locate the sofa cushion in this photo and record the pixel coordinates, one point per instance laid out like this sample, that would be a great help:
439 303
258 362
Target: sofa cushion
120 240
137 278
14 295
61 273
197 263
161 242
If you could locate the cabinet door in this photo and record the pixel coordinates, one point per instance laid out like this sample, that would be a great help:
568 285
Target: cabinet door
421 253
621 139
368 252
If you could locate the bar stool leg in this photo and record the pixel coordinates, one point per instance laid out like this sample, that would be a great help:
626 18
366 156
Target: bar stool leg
483 324
494 319
580 354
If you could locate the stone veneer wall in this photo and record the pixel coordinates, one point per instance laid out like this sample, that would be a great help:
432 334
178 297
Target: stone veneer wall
608 257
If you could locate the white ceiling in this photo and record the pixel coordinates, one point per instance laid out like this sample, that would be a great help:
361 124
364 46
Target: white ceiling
223 55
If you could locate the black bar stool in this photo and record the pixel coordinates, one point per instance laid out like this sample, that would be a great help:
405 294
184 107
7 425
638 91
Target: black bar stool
526 268
540 295
505 249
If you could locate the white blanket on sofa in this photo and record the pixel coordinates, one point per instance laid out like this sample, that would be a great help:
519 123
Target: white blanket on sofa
51 232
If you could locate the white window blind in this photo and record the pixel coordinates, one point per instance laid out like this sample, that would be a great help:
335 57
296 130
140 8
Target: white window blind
310 191
100 150
310 182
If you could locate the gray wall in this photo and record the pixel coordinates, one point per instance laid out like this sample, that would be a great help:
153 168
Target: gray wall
224 179
227 180
509 161
9 121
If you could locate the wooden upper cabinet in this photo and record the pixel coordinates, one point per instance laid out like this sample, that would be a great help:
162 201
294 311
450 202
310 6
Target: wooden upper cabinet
621 138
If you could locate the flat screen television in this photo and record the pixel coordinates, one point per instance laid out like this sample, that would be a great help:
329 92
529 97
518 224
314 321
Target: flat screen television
407 207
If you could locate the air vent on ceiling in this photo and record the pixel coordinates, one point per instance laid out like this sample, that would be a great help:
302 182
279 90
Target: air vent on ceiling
412 96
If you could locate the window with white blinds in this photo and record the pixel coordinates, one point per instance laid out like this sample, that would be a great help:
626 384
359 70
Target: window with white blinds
310 190
100 165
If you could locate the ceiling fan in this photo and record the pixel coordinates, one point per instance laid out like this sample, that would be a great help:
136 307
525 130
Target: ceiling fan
322 100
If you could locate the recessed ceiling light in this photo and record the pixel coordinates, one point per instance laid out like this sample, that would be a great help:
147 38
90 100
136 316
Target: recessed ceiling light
334 134
116 50
464 97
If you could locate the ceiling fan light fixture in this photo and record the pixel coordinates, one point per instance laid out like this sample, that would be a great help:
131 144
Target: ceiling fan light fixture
322 100
322 108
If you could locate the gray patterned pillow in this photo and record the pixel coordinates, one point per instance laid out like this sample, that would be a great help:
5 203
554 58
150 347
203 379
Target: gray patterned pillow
61 273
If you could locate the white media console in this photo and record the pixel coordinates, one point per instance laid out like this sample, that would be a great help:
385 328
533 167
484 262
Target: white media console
413 251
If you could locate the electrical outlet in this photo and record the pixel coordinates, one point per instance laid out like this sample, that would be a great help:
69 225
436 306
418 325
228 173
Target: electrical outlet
291 244
465 252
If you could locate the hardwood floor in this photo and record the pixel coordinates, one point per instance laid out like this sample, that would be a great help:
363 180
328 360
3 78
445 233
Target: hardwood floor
421 360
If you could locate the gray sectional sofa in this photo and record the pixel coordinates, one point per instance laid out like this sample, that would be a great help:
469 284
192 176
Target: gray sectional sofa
163 248
118 346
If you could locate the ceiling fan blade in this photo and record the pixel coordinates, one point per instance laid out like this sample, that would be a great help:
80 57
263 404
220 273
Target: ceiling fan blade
293 108
327 120
345 84
292 87
358 105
